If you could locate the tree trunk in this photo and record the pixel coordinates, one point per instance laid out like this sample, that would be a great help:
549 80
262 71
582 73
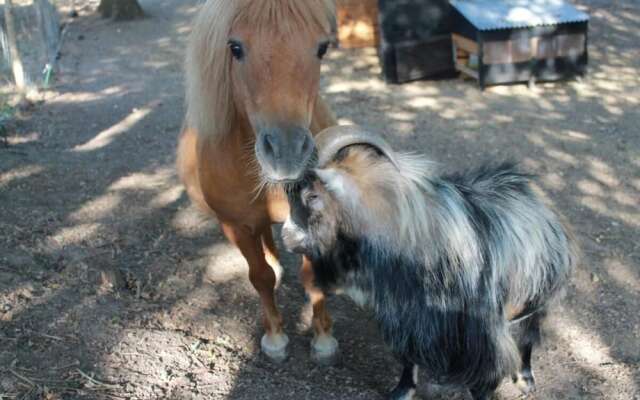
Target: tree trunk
120 9
16 61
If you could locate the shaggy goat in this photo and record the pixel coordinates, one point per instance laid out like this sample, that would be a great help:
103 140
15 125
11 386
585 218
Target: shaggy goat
459 270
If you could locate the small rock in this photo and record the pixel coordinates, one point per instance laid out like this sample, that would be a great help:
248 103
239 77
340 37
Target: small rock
595 278
7 316
26 292
111 280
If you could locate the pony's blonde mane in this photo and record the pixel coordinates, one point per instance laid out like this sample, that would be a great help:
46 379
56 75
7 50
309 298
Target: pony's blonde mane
210 107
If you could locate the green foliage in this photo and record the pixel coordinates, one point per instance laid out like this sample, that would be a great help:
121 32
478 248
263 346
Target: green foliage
6 115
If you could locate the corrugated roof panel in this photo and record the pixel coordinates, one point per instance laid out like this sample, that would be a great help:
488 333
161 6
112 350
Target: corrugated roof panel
510 14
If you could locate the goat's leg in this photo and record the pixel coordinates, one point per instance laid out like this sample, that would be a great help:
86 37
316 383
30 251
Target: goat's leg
484 391
406 388
324 347
530 336
524 380
274 341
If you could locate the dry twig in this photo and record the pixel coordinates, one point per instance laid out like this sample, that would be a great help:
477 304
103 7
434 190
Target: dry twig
96 382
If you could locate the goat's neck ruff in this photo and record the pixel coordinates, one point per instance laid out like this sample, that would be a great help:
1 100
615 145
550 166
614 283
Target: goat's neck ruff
424 217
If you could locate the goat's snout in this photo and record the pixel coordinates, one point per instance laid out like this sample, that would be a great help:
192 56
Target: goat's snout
294 237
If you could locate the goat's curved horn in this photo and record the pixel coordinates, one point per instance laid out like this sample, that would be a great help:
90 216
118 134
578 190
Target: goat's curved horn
331 140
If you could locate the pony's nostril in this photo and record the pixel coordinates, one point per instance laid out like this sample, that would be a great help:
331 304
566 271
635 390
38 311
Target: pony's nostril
267 143
307 146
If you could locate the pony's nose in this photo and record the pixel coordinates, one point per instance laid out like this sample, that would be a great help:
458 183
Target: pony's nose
284 152
270 146
305 147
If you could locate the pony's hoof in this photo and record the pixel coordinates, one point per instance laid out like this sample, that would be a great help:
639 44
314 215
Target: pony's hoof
275 346
324 350
525 381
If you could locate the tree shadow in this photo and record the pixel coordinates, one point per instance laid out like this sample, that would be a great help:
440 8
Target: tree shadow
109 270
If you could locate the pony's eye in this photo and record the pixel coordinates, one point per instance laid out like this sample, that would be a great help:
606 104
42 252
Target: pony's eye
236 50
322 49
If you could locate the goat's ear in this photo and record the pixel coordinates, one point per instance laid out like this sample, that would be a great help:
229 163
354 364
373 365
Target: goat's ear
337 183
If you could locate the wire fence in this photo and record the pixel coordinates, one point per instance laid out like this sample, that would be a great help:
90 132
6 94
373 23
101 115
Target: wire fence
37 26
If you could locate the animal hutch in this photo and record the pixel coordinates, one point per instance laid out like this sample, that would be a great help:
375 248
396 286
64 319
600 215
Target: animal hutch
505 41
412 36
493 41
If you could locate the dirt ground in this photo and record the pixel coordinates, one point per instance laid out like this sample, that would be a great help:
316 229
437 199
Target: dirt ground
113 286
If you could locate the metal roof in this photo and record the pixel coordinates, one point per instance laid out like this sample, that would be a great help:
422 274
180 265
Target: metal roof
510 14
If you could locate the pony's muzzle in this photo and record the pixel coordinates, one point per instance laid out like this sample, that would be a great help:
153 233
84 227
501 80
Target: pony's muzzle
284 152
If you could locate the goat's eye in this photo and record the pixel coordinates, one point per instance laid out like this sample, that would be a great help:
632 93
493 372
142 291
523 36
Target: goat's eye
314 202
322 49
236 50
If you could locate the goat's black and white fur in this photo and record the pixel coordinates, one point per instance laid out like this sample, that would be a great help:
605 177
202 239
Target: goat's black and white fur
446 263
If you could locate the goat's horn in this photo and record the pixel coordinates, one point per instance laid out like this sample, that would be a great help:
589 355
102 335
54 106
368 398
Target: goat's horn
331 140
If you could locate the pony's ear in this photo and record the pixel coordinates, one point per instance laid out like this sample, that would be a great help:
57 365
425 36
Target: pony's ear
339 184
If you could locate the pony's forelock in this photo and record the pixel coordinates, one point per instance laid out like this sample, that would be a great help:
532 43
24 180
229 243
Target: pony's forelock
210 108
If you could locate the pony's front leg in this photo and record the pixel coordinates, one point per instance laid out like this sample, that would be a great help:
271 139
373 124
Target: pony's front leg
274 341
324 347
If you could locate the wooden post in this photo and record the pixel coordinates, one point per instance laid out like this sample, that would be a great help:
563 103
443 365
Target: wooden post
16 61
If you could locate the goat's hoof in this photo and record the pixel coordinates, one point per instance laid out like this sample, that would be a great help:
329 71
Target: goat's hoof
402 393
324 350
525 381
274 346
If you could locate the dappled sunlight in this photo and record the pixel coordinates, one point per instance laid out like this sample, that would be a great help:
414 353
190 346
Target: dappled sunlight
373 85
583 344
21 297
144 180
570 135
71 235
225 263
425 102
190 222
554 181
167 197
346 121
15 140
420 90
108 135
599 205
560 155
590 187
97 208
139 288
16 174
602 172
591 353
79 97
624 275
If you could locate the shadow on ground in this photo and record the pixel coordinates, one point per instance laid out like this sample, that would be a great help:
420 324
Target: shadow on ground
113 286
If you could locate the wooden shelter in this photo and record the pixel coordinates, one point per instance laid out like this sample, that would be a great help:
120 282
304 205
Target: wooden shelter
415 40
505 41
